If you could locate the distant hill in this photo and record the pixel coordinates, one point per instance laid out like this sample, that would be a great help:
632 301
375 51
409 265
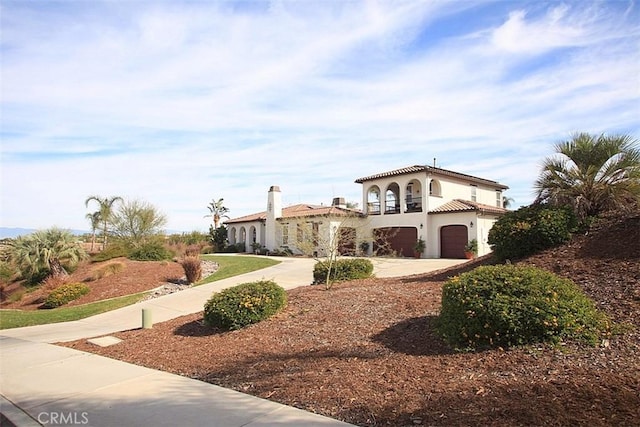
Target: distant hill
9 232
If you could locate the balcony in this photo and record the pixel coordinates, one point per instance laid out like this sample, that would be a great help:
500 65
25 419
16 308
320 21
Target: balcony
391 207
373 208
415 206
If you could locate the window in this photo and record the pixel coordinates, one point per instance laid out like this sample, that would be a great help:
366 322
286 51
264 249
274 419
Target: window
499 198
315 227
299 233
434 188
474 190
285 234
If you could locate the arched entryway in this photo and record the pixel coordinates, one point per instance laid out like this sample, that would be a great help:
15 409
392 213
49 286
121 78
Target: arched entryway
453 239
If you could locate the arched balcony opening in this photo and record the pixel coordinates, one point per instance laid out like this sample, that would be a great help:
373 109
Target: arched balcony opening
243 237
373 201
413 196
392 199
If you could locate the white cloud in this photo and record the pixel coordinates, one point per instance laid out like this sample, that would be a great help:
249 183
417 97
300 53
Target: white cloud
179 103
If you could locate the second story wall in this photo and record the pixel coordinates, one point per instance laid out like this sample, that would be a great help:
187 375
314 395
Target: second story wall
422 191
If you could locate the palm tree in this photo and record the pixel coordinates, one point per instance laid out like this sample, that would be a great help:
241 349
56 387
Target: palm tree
591 174
106 212
217 210
94 219
46 250
507 201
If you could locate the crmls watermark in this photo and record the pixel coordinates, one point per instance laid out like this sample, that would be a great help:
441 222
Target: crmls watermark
63 418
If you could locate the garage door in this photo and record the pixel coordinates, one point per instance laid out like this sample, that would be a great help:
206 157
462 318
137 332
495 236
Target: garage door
453 239
398 240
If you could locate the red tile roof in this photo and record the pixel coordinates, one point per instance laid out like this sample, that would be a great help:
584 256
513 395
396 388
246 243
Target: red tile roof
459 205
434 171
297 211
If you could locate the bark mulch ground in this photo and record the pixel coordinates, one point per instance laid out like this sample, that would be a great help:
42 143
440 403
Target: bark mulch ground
366 351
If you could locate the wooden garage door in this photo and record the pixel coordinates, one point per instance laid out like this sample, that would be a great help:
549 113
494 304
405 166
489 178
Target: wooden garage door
398 240
453 239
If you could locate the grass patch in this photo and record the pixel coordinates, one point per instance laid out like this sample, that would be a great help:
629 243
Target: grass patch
230 266
19 318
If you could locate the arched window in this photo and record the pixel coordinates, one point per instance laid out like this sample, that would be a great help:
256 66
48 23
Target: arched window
434 188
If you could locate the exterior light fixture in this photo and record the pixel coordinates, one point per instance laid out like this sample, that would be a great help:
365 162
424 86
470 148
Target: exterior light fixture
471 224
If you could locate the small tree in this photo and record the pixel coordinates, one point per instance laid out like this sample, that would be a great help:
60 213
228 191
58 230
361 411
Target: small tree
327 238
106 211
217 211
507 202
137 221
94 219
218 238
49 252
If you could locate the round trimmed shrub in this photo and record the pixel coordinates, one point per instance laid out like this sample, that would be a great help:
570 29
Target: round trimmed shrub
342 269
530 229
508 305
151 252
244 304
65 294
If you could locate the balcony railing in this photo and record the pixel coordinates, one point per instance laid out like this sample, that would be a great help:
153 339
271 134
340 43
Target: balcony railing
414 207
373 208
390 208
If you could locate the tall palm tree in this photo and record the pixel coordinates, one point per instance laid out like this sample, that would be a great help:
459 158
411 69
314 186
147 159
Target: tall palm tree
46 250
94 219
591 174
507 201
106 212
217 210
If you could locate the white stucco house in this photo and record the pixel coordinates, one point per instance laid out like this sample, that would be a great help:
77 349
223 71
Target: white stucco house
301 228
445 209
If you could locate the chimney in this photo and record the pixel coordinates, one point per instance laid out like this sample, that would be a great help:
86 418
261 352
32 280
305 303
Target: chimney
274 211
339 202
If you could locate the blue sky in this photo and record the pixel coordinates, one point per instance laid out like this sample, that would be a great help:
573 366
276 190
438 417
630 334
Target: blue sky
178 103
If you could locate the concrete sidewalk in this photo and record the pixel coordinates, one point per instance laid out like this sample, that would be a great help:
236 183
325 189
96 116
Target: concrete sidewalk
60 386
41 382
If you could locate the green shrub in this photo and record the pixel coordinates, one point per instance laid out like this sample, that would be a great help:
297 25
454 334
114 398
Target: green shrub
7 271
342 269
507 305
235 248
529 230
244 304
64 294
112 251
152 251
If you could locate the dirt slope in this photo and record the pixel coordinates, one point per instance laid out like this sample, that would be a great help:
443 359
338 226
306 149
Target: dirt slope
366 351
